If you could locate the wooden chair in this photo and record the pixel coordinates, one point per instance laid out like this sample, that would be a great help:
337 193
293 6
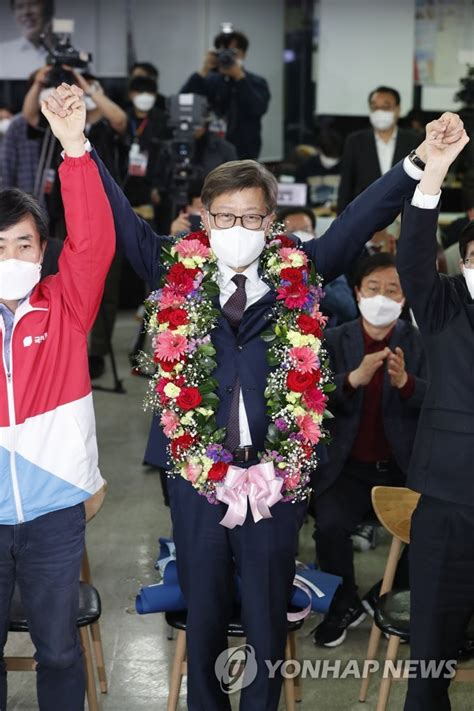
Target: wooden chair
177 620
394 507
88 619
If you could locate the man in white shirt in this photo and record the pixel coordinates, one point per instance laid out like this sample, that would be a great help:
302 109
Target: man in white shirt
22 56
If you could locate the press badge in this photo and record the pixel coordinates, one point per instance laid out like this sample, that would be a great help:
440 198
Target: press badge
137 161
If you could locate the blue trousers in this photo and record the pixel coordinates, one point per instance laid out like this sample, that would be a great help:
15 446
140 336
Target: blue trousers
43 557
207 555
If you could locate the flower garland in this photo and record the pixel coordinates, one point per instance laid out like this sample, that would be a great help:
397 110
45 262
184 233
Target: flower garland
183 391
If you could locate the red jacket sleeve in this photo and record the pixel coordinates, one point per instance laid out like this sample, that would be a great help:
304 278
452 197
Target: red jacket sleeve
90 243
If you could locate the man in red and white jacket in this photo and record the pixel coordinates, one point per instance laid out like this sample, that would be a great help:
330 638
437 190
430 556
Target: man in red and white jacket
48 448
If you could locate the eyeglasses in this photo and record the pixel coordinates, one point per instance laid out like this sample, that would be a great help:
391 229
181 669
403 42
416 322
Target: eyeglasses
226 220
469 262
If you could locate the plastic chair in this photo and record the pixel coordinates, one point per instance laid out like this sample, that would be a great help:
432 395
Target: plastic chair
394 507
177 620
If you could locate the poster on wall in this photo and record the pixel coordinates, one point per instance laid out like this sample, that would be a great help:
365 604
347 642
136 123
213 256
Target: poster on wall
22 22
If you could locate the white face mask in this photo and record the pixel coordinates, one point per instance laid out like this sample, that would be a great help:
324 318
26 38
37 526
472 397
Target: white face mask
144 102
328 162
237 246
382 120
304 236
469 277
90 103
18 278
379 310
4 125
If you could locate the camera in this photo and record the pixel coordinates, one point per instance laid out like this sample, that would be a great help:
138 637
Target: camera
226 58
61 52
187 112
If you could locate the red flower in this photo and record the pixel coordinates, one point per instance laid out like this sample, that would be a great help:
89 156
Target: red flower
181 279
174 317
286 241
181 444
189 398
218 471
294 276
315 400
309 325
299 382
201 236
167 365
294 295
160 389
307 449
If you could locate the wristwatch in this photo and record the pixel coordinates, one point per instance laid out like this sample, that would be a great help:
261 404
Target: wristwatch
416 160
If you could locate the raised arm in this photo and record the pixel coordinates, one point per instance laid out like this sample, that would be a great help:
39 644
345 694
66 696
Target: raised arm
90 242
429 294
371 211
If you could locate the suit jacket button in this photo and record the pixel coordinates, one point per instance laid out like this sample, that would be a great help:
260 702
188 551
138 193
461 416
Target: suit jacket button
230 390
240 348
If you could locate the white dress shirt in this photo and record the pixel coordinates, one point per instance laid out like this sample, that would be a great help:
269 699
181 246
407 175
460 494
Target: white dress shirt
255 288
385 151
19 58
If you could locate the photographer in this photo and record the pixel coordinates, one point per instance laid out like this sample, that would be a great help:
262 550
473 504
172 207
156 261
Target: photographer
235 94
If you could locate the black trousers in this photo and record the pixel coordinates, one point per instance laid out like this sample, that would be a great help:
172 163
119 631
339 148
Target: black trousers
341 508
442 593
207 556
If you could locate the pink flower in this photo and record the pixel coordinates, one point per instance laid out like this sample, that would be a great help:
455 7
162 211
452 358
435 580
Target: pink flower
291 482
308 428
294 295
170 299
315 400
170 422
170 345
192 248
304 359
287 253
192 471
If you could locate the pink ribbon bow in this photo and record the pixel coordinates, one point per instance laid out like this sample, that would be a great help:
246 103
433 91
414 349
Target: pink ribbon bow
257 486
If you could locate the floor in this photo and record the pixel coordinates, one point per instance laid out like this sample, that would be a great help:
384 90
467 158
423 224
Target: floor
122 546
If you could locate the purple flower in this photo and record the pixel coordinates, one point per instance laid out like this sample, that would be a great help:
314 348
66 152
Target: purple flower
218 453
281 424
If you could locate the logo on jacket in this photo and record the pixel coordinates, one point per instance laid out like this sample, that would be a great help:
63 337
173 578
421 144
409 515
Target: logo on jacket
29 340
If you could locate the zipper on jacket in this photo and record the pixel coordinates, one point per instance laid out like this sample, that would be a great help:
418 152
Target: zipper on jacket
12 428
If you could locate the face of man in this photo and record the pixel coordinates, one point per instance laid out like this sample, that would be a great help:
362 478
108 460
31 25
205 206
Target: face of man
22 242
469 255
299 222
384 101
383 281
29 14
239 53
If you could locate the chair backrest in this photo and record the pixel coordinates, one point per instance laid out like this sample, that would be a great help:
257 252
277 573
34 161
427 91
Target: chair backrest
94 503
394 506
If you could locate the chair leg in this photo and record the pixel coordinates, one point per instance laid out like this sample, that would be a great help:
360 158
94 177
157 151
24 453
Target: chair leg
297 680
374 641
177 671
289 684
386 683
89 667
99 656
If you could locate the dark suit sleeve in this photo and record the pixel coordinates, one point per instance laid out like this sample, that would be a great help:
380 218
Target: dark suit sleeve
346 186
371 211
196 84
428 293
135 238
253 95
417 368
341 399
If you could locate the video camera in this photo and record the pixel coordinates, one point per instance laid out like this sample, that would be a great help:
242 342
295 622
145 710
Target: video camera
187 112
61 52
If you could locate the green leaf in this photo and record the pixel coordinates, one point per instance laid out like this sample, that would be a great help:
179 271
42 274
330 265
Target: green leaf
273 360
210 288
210 400
207 349
273 434
328 415
208 386
329 387
269 335
209 364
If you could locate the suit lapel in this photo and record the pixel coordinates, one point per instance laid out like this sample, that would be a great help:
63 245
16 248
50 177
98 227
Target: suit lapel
372 155
353 345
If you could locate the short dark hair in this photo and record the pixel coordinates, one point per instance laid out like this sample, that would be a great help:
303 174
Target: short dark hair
143 85
147 67
48 6
382 260
386 90
238 175
288 211
223 39
466 236
15 205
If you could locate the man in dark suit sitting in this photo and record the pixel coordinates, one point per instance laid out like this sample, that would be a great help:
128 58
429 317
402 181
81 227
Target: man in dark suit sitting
379 367
370 153
442 465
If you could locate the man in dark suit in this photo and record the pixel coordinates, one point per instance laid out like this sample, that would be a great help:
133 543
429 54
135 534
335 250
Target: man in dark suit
264 552
379 367
368 154
237 96
442 465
